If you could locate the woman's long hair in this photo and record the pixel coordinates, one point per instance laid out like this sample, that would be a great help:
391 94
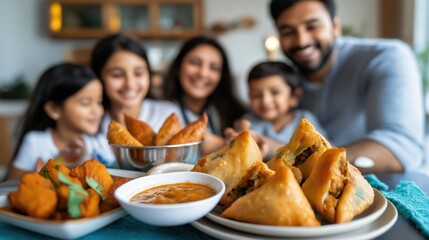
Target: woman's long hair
226 103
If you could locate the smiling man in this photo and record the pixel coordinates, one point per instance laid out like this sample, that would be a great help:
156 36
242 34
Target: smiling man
366 93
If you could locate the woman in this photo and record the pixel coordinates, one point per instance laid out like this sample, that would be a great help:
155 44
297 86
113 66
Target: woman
121 64
199 80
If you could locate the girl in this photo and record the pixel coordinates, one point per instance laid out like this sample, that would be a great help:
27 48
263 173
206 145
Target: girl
64 110
199 80
123 67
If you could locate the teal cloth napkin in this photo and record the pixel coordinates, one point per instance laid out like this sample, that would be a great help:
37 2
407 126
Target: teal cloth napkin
411 202
125 228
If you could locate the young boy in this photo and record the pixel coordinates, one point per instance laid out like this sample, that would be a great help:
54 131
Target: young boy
274 95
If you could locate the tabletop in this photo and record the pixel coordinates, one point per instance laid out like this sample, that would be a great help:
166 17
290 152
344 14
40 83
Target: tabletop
402 229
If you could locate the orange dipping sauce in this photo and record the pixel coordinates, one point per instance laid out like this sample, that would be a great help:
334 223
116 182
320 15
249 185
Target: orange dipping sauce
174 193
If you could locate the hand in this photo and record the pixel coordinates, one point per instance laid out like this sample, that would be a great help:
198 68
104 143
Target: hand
39 165
74 153
239 126
231 133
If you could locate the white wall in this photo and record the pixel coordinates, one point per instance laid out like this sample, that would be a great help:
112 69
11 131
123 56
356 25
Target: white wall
361 15
26 47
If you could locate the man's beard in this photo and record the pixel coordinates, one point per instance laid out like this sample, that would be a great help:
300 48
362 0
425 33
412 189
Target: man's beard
304 68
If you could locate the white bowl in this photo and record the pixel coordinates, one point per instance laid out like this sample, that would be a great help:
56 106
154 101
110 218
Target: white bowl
169 214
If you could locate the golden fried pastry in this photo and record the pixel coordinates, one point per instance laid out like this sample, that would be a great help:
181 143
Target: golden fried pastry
279 202
336 189
170 128
193 132
63 193
36 196
50 171
118 134
93 169
110 202
140 130
239 165
90 205
304 148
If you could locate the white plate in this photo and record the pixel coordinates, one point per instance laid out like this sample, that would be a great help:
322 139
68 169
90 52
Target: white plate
369 215
67 229
60 229
369 231
125 173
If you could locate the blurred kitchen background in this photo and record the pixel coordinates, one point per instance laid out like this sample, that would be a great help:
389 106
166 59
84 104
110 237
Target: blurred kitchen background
38 33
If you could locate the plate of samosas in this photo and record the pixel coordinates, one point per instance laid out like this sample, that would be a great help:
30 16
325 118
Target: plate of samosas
66 203
307 190
138 147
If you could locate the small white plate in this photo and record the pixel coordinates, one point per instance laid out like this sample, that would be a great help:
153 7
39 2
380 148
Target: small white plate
369 215
66 229
369 231
170 167
125 173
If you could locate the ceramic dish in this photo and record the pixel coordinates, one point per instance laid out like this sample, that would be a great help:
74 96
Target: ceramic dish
67 229
169 214
369 231
369 215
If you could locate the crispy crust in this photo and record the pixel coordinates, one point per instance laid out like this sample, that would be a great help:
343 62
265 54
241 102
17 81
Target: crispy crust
336 189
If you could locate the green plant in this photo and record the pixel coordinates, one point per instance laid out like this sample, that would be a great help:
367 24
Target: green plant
18 89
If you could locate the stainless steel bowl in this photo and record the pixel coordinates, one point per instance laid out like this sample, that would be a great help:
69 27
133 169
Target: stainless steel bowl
144 158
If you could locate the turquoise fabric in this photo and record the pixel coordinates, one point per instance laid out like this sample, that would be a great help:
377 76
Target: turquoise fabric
412 203
125 228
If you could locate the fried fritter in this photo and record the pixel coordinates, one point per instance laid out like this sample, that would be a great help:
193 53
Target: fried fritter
50 171
93 169
110 202
36 196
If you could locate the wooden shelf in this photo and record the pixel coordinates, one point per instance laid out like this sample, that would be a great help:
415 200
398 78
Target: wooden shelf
168 19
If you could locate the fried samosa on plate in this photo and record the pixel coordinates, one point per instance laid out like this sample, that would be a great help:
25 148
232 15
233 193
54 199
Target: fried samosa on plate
140 130
170 128
239 165
279 202
118 134
193 132
336 189
302 151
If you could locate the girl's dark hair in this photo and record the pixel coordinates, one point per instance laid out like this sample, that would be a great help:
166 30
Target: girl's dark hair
227 105
56 85
108 46
266 69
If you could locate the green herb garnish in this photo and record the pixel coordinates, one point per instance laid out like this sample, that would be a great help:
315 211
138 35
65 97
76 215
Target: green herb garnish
76 196
96 186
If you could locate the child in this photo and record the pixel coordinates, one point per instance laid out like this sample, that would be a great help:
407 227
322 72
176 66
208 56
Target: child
274 94
65 109
121 63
